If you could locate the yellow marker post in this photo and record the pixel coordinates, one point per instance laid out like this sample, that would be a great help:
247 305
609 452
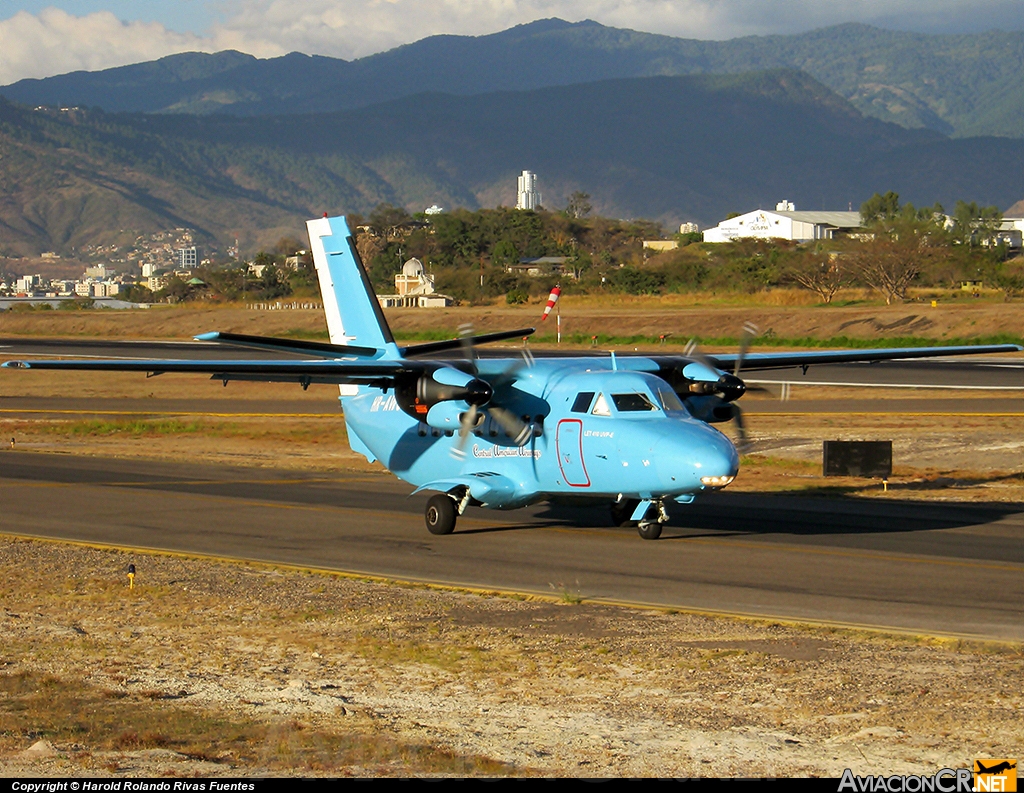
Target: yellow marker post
131 576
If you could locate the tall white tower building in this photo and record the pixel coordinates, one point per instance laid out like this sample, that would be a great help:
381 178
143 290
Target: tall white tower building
527 196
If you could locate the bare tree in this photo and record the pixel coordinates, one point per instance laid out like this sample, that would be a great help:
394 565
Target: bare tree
821 273
891 261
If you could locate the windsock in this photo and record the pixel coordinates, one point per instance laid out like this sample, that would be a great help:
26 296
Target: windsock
552 299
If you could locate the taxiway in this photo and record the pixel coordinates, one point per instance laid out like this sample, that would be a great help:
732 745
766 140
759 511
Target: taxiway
930 568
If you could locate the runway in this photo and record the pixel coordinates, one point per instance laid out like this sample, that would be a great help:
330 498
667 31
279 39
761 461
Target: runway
930 568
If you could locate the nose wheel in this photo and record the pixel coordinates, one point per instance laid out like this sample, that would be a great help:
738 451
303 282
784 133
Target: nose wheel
624 513
649 529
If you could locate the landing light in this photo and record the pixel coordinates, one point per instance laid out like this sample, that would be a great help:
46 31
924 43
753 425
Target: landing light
716 481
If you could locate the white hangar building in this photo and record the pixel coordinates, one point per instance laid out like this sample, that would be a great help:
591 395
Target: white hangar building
785 223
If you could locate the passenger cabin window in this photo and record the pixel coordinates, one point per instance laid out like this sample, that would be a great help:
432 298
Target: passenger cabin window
582 403
632 403
601 407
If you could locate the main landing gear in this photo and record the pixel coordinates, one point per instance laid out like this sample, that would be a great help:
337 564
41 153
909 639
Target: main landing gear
649 526
444 509
441 514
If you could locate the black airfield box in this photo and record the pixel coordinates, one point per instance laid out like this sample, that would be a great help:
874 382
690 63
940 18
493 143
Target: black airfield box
872 459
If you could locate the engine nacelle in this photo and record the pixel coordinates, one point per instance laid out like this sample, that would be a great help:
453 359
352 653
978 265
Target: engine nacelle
710 409
418 396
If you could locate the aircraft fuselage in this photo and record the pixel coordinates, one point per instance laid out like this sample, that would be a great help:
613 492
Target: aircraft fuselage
596 433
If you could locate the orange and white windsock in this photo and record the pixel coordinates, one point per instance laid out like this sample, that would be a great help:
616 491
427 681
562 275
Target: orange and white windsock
552 299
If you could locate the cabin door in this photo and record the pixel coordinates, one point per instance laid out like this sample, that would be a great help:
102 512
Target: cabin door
569 445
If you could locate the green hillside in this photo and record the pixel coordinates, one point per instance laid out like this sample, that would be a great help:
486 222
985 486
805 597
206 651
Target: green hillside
664 148
963 85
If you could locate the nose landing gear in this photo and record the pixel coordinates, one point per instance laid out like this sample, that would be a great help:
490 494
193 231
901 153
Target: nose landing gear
649 515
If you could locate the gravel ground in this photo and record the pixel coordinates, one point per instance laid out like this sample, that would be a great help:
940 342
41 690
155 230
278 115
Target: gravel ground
553 687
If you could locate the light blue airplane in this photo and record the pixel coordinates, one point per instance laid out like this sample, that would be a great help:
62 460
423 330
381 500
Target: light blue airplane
631 431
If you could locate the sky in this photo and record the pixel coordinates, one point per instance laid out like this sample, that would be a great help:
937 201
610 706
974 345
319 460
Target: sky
40 39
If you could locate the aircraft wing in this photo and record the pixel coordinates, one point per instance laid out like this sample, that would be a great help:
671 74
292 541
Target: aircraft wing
779 360
357 372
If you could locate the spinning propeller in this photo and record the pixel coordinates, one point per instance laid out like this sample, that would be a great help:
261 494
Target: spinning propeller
479 398
705 379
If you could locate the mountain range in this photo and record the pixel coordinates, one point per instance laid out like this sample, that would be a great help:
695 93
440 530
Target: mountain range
960 85
670 148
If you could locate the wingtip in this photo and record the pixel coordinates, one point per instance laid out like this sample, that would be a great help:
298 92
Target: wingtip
15 365
207 336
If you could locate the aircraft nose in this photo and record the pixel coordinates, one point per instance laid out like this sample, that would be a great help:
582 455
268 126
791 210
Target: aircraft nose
697 457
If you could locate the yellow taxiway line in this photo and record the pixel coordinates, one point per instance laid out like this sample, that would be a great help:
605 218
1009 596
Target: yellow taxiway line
448 586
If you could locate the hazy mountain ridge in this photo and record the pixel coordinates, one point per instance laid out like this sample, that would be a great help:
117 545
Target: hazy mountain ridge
962 85
667 148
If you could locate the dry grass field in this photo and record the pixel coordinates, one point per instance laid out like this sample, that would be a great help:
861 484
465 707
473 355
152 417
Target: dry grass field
780 314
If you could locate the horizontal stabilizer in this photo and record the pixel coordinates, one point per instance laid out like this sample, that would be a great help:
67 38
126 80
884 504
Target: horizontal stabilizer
454 344
295 346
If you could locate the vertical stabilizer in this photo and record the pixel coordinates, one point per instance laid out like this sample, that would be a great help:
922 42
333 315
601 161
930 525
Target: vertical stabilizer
354 315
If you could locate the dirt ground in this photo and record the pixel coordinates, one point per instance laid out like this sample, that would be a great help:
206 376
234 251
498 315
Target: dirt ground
320 674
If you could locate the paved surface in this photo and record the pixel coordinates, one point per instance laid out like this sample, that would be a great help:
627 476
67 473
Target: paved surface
932 568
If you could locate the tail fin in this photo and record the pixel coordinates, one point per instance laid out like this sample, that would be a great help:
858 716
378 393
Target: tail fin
353 311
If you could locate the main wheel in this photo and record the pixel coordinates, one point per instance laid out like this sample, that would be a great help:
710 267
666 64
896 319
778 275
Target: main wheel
623 510
440 514
649 529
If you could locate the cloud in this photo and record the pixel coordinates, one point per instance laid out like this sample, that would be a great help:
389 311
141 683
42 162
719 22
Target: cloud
54 41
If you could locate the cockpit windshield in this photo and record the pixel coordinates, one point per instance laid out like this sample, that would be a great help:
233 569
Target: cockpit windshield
669 399
632 403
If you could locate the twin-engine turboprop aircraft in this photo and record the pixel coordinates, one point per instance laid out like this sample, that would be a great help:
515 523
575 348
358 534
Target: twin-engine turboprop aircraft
502 433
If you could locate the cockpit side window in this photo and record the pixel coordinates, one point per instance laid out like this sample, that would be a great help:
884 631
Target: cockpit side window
582 403
632 403
601 407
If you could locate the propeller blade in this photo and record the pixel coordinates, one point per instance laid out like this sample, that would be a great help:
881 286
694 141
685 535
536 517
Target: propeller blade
741 430
514 427
750 331
692 350
509 373
468 348
467 423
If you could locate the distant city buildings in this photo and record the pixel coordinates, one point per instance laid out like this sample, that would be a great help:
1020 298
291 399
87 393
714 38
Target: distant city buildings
527 196
99 272
187 258
433 209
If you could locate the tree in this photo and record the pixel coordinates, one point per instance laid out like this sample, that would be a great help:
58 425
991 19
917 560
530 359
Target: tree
976 225
387 221
1009 277
504 253
892 259
879 207
820 272
579 205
